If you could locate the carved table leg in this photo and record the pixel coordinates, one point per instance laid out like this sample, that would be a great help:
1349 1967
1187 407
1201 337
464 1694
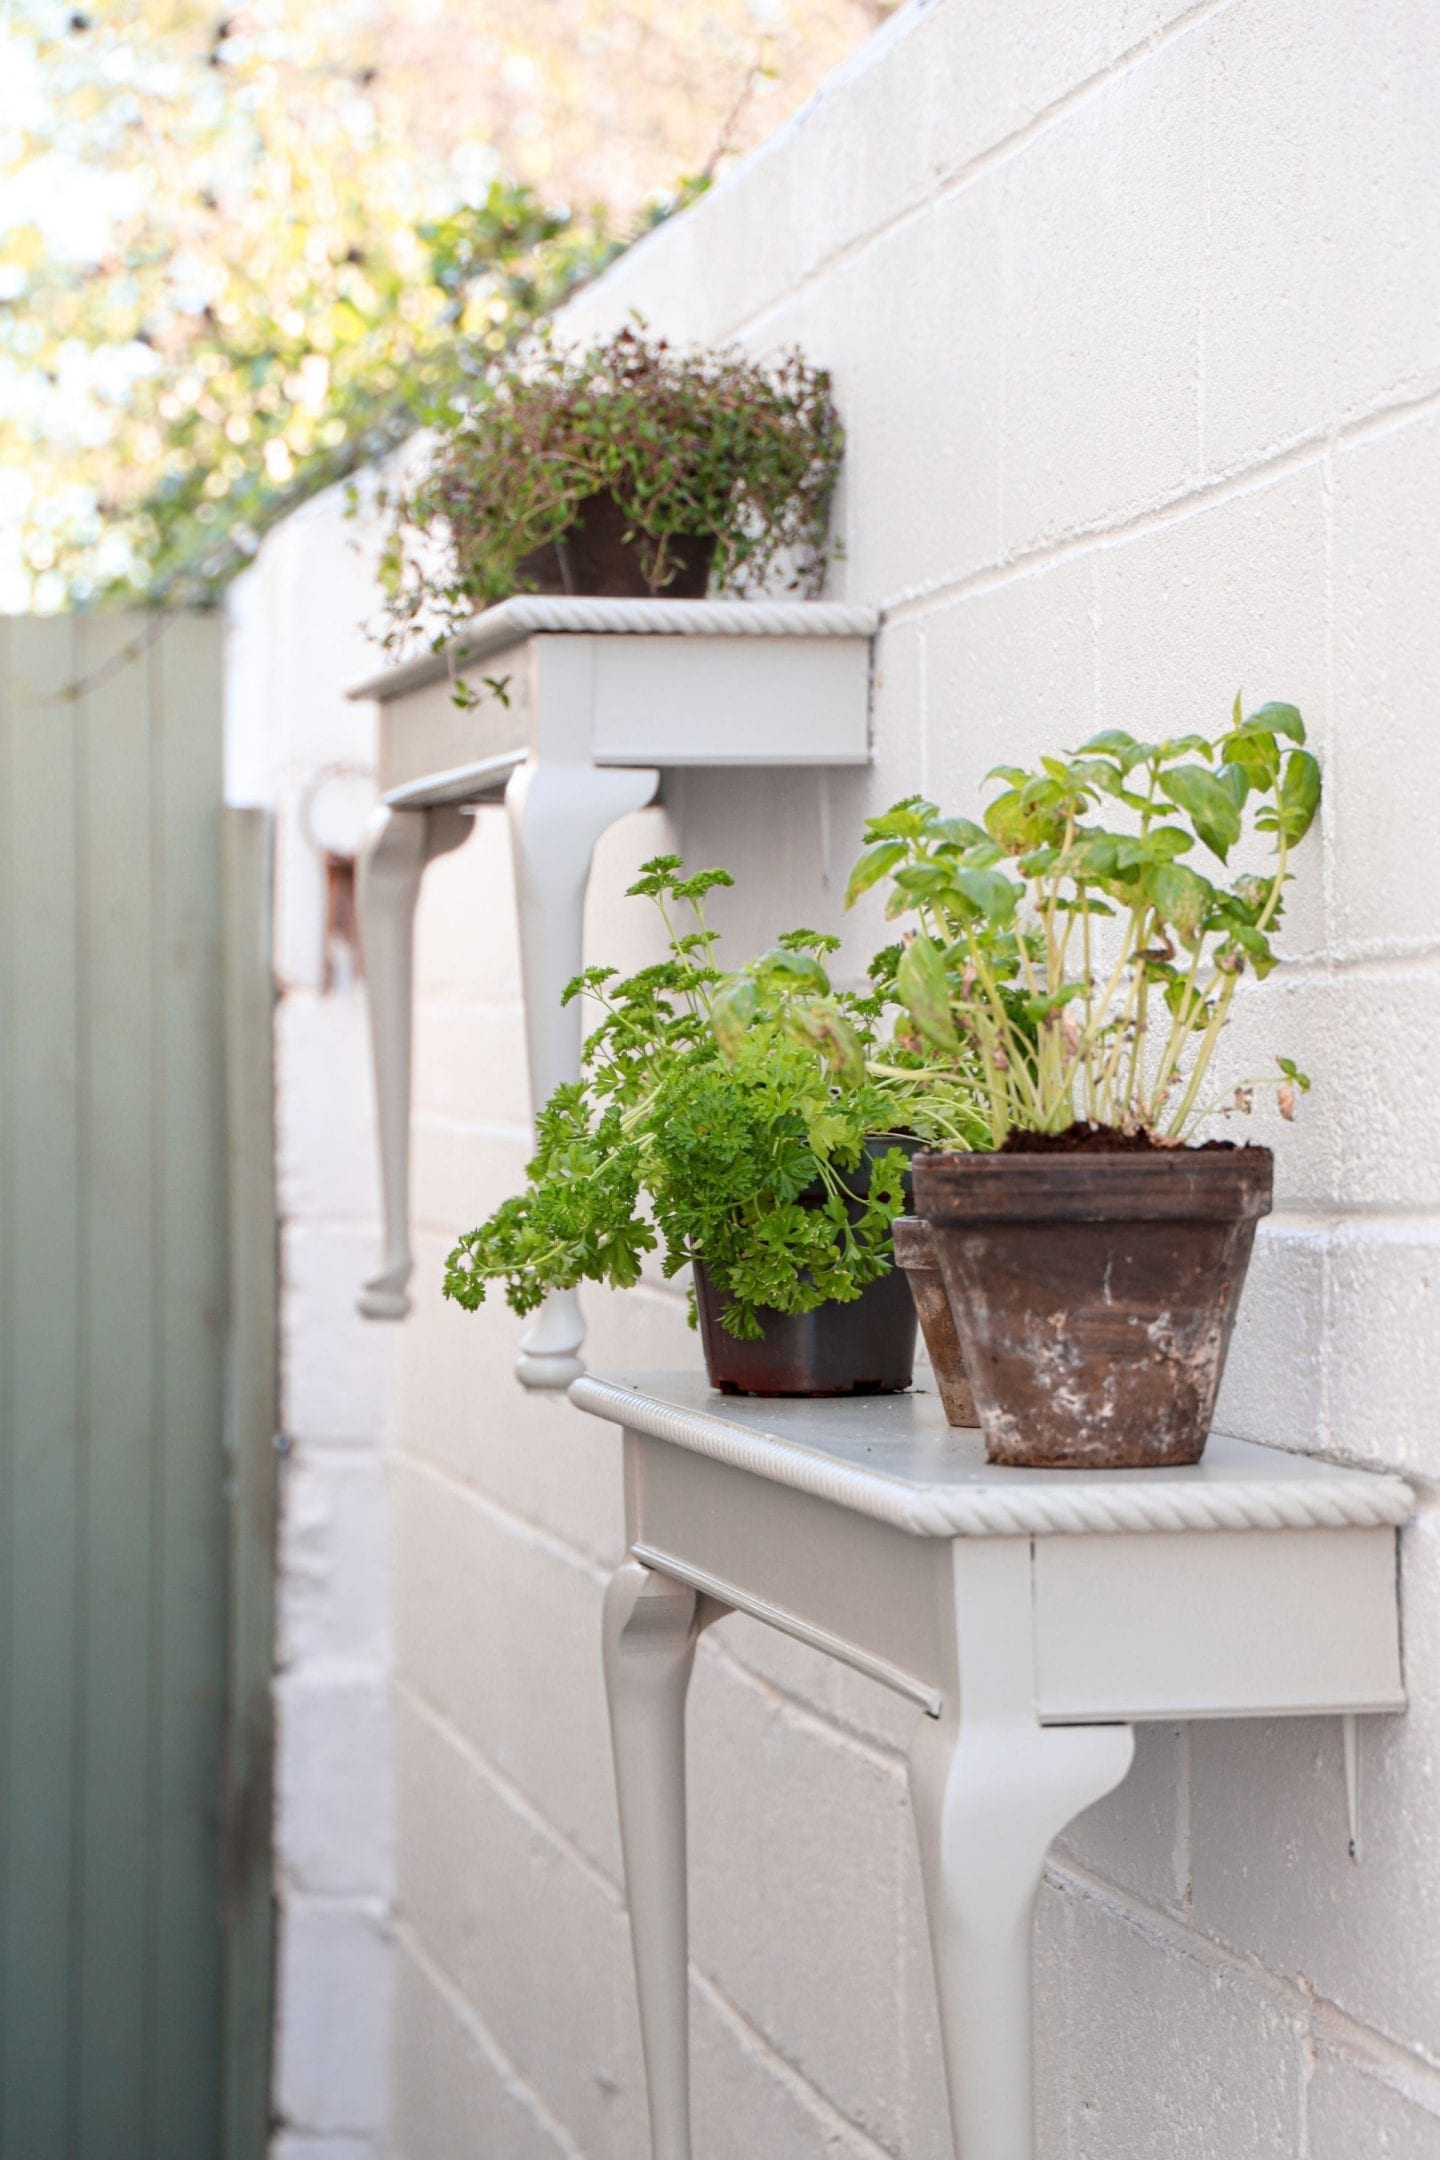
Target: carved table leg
397 847
991 1789
557 813
651 1626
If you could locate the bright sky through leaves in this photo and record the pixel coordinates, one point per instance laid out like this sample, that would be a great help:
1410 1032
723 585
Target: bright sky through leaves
238 248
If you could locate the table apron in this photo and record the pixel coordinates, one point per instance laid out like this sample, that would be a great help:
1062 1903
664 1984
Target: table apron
858 1589
1137 1627
1218 1623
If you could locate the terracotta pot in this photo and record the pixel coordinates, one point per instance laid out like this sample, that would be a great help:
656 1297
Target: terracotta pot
915 1252
863 1347
1094 1294
596 559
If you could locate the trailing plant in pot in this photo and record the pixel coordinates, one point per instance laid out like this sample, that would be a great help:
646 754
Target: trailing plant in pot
732 1125
632 469
1094 1254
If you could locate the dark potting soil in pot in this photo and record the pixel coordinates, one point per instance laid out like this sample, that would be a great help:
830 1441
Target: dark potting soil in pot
1094 1288
1083 1138
602 556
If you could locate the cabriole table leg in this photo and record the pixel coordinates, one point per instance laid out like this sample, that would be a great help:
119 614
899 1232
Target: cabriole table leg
991 1789
651 1626
988 1802
397 847
558 809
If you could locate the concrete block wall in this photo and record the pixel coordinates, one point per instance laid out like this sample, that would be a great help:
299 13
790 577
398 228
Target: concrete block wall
1132 309
1134 315
295 641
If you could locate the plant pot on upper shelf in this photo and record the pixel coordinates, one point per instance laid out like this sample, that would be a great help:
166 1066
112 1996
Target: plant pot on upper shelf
602 555
1092 1259
630 470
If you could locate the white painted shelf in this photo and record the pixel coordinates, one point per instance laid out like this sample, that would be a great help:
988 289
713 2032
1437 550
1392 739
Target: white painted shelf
1034 1617
897 1458
579 707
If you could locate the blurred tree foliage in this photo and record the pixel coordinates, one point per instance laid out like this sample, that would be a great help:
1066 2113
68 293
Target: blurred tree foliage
242 253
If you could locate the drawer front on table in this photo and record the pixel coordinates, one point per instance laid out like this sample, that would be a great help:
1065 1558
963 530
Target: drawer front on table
1217 1624
426 732
836 1573
731 701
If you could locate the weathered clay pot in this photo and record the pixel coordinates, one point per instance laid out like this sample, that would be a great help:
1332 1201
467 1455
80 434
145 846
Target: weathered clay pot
1094 1294
599 557
915 1253
864 1347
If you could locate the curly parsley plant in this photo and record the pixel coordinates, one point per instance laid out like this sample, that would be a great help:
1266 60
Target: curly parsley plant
733 1121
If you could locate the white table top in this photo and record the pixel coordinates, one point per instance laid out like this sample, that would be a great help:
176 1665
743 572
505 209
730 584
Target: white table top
894 1457
526 614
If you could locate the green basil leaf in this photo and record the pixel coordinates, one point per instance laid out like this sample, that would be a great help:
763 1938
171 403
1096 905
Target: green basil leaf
1235 781
797 970
1182 897
731 1014
1258 757
1113 741
1208 805
873 865
992 894
924 989
1299 794
1275 720
959 831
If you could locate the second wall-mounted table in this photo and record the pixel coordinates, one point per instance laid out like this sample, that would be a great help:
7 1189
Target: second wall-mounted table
1033 1617
573 710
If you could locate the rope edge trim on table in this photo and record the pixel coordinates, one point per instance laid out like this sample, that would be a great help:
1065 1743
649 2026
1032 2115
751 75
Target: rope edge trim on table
530 613
693 618
1371 1501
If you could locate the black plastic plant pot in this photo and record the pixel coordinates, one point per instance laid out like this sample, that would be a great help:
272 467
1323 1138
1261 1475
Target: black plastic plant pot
863 1347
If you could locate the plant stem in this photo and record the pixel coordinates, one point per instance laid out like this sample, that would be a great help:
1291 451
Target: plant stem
1207 1047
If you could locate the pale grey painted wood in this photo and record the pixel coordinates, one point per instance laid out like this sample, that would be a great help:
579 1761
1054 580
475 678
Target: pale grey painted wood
40 1573
190 1470
251 1422
113 1305
651 1627
1035 1616
1269 1624
499 629
558 806
397 847
991 1790
120 1159
580 702
897 1458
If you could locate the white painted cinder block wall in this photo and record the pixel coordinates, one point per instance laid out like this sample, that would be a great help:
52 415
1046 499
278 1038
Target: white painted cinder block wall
295 642
1134 315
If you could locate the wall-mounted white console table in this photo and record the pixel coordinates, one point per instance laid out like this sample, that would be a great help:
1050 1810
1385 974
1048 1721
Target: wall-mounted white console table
1033 1617
579 707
